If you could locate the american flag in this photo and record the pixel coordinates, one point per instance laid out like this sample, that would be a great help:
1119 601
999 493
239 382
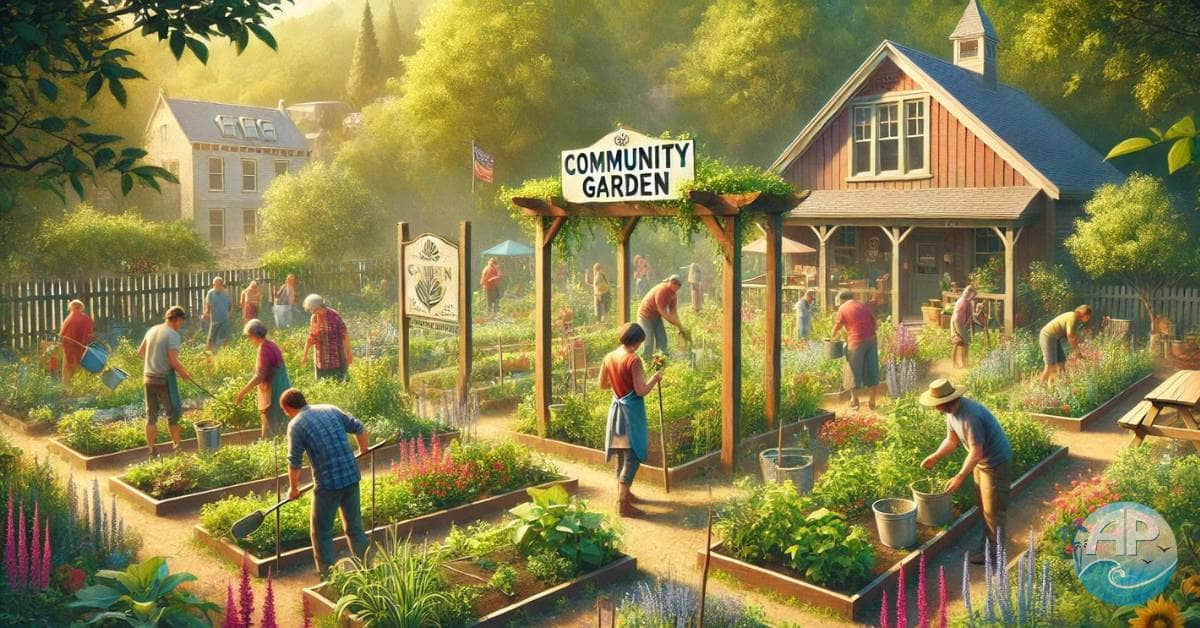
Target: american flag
482 163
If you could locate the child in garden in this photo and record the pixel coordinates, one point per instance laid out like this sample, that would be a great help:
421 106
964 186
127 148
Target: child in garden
626 433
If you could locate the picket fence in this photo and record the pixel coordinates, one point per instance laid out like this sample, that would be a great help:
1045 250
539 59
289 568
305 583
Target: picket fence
1181 305
32 311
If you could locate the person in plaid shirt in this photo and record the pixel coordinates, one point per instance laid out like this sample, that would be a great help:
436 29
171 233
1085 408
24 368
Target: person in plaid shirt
327 333
320 431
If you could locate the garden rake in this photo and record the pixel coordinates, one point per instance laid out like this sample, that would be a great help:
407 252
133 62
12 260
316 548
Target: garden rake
246 526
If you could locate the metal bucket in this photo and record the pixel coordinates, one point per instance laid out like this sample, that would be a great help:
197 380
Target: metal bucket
834 349
793 464
94 357
112 377
933 509
208 435
896 519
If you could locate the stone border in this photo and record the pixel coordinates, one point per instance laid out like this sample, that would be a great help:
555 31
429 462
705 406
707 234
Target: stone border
848 606
137 454
1080 424
648 473
465 513
192 502
621 568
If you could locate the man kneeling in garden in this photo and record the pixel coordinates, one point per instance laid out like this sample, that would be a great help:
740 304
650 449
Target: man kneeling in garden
988 454
320 431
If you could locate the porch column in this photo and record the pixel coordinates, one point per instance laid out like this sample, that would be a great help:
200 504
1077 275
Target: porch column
823 234
897 237
774 309
1009 237
547 228
623 268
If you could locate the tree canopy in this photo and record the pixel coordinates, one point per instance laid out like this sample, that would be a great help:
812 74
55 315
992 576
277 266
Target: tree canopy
325 212
366 68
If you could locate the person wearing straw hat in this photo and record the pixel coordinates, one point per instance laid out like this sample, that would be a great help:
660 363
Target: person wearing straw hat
989 455
862 347
327 334
660 304
270 378
160 350
76 331
960 328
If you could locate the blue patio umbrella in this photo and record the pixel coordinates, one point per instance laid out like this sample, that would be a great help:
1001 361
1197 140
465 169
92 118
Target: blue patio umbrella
509 248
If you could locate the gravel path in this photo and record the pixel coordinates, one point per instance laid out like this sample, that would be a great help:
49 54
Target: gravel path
664 543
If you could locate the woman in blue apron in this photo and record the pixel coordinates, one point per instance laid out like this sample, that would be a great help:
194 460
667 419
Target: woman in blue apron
626 434
270 379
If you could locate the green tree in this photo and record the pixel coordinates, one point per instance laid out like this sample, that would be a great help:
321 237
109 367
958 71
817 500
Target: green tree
87 243
366 69
56 48
398 37
1133 233
325 212
1182 136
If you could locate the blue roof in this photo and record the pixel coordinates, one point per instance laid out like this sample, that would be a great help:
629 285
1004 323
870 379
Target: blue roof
508 248
1046 143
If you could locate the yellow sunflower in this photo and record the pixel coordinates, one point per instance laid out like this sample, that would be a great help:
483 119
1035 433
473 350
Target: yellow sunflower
1158 613
1191 586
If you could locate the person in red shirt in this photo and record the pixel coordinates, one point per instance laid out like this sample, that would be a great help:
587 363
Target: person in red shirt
76 332
862 347
626 435
658 305
490 282
327 333
270 379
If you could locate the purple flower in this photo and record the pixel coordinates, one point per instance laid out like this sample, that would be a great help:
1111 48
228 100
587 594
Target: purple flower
922 605
901 602
883 611
943 597
10 548
22 552
966 587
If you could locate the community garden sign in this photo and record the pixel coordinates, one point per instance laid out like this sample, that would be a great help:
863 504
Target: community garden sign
431 275
628 166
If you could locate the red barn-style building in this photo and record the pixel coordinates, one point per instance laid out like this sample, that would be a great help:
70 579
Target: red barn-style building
921 168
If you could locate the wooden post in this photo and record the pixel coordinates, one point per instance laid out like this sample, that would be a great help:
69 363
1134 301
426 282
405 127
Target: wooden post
823 234
774 316
402 318
731 356
465 349
547 228
897 237
1009 238
623 268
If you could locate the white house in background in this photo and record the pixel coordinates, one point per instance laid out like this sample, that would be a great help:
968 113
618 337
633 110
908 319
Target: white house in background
225 156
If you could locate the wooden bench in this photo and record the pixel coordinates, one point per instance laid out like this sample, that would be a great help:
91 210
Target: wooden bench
1133 419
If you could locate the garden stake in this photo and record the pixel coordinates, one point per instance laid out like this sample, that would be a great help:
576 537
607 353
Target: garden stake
246 526
662 441
275 463
707 556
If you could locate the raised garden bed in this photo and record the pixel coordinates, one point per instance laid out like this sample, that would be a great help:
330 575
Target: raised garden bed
654 474
259 566
850 605
513 614
137 454
1071 424
193 501
25 427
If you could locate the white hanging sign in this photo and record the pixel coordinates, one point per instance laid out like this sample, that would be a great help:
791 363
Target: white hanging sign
431 279
628 166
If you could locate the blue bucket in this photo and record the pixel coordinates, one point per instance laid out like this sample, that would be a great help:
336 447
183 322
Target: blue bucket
94 358
113 377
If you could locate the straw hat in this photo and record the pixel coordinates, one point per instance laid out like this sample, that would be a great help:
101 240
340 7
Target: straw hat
940 391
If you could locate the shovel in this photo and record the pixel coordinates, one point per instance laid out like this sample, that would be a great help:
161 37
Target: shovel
246 526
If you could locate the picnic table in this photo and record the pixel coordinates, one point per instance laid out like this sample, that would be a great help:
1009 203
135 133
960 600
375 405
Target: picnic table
1181 393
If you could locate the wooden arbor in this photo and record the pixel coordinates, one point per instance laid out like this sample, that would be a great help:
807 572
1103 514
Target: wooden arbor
722 215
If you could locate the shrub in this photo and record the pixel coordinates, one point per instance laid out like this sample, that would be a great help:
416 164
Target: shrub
757 523
828 551
557 522
856 430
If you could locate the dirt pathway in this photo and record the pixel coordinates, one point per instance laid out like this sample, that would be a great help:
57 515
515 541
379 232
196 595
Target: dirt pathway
665 542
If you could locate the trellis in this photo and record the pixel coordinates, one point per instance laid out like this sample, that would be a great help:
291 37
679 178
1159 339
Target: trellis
722 215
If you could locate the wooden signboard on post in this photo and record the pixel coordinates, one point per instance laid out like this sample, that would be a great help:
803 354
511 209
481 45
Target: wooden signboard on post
434 292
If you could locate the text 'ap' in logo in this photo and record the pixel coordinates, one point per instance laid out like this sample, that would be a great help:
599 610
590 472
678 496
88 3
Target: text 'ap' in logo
1125 553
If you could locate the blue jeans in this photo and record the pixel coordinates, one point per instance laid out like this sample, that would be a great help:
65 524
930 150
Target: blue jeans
627 465
325 504
656 336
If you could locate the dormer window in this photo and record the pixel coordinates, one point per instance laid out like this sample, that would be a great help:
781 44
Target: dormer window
249 128
228 126
968 49
268 130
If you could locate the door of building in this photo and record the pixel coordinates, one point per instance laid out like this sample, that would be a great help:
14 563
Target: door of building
926 274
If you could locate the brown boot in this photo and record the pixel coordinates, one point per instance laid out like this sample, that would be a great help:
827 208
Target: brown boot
624 507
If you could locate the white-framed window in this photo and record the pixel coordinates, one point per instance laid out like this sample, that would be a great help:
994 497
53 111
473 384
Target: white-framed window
890 137
249 128
216 174
268 130
216 228
228 126
249 175
281 167
249 224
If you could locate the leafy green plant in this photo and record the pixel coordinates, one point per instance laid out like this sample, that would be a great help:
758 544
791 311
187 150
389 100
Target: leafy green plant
504 580
559 522
758 522
144 595
550 568
401 587
829 551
